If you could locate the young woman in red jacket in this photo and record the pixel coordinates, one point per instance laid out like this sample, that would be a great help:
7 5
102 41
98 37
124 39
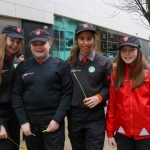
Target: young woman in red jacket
128 113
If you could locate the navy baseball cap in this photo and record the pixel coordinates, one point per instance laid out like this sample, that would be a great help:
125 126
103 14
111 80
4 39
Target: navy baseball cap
129 40
85 27
39 35
13 31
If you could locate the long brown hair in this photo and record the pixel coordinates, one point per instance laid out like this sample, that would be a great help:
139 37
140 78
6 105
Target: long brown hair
137 76
75 50
3 38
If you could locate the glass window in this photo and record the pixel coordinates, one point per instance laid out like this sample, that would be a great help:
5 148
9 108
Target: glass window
112 43
145 48
112 35
63 36
103 40
108 40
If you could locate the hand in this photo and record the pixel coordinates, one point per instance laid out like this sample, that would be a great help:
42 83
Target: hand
91 101
53 126
112 142
26 129
3 133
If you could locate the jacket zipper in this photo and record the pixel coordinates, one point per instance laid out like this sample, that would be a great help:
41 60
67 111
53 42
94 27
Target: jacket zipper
131 109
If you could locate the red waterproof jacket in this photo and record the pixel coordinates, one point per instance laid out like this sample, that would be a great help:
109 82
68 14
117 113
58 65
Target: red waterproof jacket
128 111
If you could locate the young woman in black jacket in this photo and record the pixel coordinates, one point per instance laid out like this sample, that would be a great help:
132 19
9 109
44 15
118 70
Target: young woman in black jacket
11 41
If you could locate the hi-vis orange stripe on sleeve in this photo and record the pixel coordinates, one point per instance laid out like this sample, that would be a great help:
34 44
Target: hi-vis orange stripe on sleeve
100 98
114 64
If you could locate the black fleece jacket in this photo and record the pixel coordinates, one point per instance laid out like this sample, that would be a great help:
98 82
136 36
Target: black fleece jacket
42 89
5 89
94 78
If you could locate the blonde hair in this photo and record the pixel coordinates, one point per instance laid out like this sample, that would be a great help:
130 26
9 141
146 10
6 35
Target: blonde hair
3 38
2 52
137 76
75 50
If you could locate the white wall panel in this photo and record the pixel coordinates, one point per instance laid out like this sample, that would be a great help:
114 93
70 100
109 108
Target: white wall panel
19 2
48 18
93 11
82 16
95 20
47 6
74 4
60 2
7 9
64 11
88 10
106 23
28 13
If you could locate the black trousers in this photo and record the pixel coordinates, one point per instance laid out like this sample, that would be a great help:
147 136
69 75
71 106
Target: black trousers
12 127
47 140
127 143
87 135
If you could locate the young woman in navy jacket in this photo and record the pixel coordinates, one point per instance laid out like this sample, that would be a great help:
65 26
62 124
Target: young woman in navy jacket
41 95
86 118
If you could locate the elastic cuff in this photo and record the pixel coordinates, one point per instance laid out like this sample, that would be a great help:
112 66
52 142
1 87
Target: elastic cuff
100 98
110 136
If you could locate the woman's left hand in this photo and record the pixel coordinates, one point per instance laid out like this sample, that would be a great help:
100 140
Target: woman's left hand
26 129
53 126
91 101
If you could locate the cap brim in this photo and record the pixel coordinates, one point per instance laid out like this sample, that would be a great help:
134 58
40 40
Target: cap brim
85 30
38 39
15 36
130 44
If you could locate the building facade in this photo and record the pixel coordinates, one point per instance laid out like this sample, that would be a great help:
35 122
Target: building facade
60 18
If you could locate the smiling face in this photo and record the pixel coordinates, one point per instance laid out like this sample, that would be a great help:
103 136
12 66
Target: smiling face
13 45
40 49
85 42
129 54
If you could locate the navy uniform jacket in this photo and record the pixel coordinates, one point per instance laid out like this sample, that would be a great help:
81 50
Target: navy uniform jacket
5 90
42 89
94 78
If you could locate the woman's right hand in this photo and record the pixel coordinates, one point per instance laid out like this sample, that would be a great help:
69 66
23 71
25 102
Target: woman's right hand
3 133
112 142
26 129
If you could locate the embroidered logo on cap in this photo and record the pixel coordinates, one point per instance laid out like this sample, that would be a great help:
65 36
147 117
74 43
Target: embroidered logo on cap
85 25
18 29
37 32
126 38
